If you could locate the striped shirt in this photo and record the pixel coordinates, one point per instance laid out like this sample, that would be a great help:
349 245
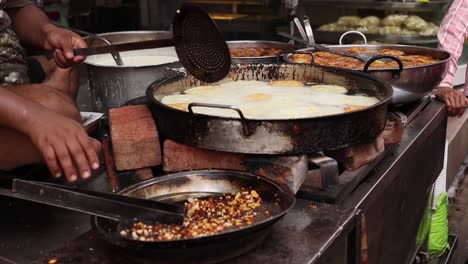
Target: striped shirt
452 34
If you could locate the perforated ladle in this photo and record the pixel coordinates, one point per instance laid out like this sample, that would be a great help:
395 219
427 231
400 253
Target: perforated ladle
199 44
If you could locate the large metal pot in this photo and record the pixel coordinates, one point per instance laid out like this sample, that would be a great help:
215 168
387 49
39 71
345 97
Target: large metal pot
112 86
411 83
258 44
283 136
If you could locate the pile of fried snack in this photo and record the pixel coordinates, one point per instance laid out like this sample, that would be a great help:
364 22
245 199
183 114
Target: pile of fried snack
396 24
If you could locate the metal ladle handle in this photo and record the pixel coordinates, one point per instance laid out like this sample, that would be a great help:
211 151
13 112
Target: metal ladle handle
308 29
396 73
107 205
243 120
300 28
115 55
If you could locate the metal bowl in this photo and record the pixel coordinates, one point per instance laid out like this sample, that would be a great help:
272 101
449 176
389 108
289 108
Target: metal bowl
258 44
410 83
112 86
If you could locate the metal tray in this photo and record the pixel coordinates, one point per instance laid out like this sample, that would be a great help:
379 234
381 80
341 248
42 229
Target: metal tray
327 37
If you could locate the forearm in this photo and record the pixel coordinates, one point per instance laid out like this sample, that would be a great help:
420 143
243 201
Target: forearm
30 25
17 112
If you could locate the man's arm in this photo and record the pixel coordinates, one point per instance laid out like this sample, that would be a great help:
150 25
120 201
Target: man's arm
451 36
28 22
61 141
33 27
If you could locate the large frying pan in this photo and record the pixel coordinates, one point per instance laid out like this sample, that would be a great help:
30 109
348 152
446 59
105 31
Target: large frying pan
284 136
179 187
409 83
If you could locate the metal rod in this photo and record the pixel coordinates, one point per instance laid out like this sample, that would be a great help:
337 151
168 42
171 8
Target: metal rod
105 205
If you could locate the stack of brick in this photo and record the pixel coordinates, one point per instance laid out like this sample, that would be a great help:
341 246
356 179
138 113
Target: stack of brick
136 145
288 171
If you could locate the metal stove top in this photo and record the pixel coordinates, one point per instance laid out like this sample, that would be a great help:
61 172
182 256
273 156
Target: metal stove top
311 232
338 184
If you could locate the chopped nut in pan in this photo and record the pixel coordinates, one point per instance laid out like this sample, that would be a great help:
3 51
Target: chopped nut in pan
204 216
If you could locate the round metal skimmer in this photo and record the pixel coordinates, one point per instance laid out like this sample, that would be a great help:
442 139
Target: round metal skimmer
199 44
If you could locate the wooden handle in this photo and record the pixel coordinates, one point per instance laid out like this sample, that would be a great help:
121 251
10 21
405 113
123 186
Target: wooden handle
110 164
364 257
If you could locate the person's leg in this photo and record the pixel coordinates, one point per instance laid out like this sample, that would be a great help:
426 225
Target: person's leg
48 67
16 149
35 72
51 98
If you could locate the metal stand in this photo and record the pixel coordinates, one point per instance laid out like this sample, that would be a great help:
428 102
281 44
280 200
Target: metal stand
406 119
346 183
444 259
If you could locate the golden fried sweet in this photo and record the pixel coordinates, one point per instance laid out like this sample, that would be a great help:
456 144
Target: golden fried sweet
369 21
329 59
349 21
286 83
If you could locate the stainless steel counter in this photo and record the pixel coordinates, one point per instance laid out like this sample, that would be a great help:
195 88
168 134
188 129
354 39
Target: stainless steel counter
395 194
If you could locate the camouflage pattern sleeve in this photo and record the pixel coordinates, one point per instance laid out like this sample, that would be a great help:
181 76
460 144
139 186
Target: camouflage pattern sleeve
13 67
17 3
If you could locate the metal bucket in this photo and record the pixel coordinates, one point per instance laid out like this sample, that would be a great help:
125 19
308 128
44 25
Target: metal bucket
111 85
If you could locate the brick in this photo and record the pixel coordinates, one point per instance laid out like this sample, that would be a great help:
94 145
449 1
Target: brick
356 156
135 139
287 171
313 180
179 157
144 173
393 132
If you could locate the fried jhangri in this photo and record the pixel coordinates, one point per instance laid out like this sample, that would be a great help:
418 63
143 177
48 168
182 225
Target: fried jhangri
204 216
329 59
254 52
353 108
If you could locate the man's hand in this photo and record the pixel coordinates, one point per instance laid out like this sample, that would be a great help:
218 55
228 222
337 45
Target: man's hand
62 42
455 100
64 145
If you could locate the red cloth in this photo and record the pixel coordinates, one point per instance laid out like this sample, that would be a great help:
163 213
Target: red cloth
452 34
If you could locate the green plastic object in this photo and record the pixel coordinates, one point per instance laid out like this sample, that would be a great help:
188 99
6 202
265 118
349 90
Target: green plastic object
438 234
425 224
